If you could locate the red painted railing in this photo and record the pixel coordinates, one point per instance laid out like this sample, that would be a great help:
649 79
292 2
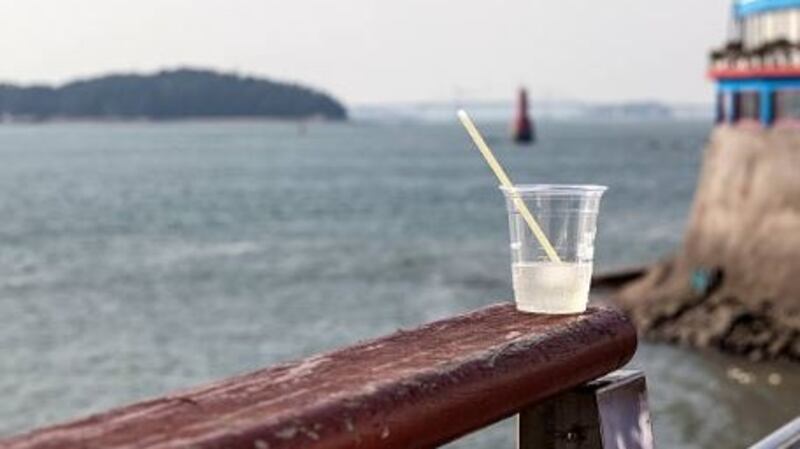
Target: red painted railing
413 389
756 72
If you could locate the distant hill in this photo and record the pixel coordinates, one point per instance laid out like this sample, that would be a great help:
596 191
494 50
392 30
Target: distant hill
541 108
641 110
183 93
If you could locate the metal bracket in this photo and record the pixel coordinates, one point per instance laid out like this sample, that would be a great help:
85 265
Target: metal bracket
608 413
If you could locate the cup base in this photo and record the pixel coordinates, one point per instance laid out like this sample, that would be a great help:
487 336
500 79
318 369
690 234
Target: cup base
548 311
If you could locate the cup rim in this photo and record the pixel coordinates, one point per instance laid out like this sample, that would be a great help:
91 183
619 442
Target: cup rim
556 189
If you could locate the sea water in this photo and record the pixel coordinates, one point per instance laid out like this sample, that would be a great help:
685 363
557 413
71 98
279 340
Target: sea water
141 258
550 287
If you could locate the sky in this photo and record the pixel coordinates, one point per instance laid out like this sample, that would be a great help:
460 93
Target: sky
380 51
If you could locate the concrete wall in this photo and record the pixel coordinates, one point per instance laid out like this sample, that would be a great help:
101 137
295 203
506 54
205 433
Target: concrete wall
745 225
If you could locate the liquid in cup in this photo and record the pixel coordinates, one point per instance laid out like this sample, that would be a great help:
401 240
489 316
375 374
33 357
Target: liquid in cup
551 286
568 217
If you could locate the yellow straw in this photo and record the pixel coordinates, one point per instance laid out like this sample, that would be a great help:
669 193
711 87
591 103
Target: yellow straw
506 182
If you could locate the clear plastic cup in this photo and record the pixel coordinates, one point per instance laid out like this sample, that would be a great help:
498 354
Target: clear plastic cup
567 215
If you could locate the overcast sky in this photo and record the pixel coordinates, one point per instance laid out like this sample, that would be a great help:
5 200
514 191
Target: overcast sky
372 51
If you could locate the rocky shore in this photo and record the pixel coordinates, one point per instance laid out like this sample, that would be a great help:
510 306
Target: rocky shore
734 284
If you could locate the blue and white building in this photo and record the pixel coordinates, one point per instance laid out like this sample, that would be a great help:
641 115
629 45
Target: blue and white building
758 70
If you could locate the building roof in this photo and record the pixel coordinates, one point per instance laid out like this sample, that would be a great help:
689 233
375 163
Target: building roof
743 8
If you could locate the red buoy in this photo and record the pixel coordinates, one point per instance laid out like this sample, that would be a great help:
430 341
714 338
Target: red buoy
523 127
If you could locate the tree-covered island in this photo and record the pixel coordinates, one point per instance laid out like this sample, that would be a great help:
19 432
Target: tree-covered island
172 94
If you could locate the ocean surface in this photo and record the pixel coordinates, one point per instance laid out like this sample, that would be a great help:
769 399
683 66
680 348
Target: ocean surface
141 258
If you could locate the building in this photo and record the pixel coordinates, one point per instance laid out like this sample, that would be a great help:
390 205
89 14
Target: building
758 70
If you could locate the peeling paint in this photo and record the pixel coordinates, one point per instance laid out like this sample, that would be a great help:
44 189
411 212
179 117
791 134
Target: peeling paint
286 433
513 334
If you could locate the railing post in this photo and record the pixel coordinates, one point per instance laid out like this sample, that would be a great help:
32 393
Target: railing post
609 413
766 104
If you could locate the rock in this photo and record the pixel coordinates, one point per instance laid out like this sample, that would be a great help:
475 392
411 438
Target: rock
734 284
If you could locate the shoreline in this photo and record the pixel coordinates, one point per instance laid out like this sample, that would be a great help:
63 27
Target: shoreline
350 120
209 119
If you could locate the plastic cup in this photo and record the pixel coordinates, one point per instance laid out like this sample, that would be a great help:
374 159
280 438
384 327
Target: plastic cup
567 215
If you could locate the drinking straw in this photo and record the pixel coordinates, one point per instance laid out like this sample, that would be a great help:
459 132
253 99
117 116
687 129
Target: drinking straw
506 182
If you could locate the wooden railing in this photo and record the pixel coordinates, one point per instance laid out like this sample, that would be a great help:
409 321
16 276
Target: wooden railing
417 388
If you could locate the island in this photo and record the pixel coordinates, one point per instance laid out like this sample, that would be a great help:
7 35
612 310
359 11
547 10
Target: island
170 94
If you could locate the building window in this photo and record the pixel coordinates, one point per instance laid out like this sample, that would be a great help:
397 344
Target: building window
787 105
720 113
747 106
